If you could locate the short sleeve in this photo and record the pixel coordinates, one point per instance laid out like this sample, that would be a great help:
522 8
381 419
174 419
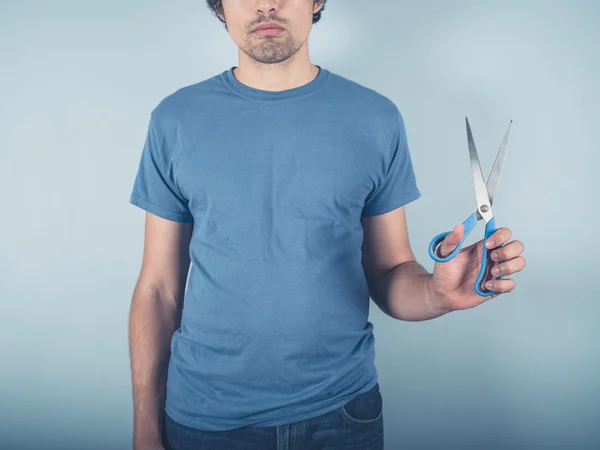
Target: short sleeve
154 188
398 186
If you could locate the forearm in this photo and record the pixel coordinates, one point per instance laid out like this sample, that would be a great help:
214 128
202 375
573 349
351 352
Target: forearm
406 293
152 322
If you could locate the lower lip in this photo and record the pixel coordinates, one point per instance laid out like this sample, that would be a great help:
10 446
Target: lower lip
269 31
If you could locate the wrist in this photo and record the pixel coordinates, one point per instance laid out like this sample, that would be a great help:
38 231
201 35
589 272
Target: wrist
147 437
435 300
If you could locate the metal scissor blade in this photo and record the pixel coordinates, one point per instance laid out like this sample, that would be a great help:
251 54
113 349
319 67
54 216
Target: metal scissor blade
494 178
484 208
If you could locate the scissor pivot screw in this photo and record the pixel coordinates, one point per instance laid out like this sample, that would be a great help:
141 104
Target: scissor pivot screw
485 208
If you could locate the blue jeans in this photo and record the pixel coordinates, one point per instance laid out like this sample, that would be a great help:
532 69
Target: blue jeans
357 425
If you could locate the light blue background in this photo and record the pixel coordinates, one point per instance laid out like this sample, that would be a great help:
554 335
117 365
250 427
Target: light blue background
77 83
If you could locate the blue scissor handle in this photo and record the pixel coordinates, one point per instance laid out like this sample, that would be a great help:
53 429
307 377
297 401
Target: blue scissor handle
483 276
469 224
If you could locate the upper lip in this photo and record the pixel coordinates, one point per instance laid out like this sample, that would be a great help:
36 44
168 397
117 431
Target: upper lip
262 26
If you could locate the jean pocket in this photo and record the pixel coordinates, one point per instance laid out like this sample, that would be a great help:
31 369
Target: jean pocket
365 408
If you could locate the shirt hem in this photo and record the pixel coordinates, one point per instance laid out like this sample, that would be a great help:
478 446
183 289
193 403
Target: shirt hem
159 211
200 425
392 204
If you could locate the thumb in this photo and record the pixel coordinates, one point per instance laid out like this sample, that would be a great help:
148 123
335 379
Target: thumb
452 240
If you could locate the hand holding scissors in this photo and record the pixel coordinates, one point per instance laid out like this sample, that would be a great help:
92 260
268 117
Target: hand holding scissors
450 280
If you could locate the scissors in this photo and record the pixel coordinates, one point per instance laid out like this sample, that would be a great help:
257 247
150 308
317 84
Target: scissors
484 194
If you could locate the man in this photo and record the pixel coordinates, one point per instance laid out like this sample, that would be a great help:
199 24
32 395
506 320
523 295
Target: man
284 186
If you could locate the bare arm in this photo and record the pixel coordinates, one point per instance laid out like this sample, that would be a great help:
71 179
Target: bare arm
399 286
155 314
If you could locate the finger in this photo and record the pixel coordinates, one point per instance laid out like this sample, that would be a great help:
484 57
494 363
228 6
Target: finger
501 286
509 251
452 240
498 237
509 267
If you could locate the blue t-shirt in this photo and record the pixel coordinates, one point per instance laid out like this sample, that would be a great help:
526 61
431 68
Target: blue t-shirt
275 323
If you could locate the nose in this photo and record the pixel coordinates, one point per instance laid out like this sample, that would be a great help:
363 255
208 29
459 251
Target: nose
266 6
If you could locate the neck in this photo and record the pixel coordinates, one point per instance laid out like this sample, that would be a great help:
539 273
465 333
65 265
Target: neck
294 72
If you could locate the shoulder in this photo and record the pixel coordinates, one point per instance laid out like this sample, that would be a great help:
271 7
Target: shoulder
365 96
371 106
174 106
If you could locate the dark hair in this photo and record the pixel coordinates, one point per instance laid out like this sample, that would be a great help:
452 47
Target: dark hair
216 6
